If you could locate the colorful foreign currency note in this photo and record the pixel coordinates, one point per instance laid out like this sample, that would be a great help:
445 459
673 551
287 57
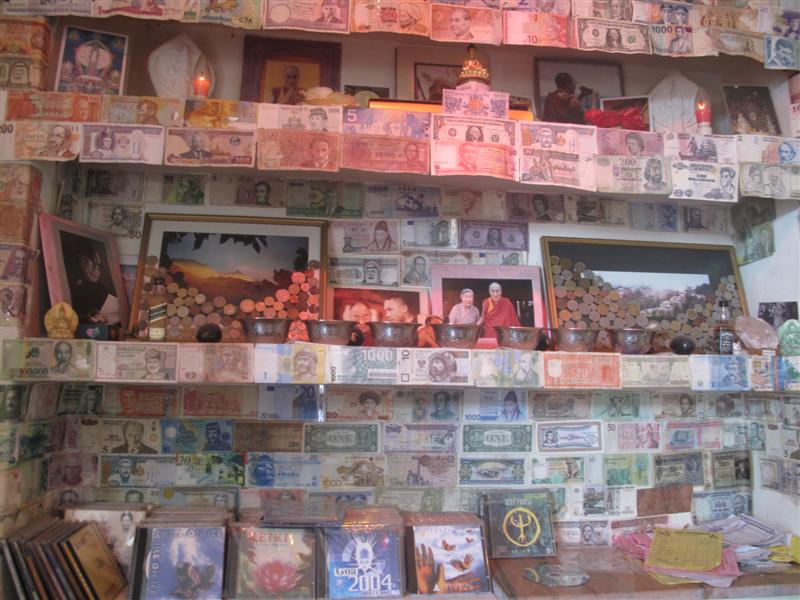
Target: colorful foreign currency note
704 181
15 261
697 435
280 149
372 270
737 43
474 204
161 10
142 110
320 198
491 471
341 438
675 469
769 181
392 123
136 362
716 505
506 368
18 72
260 497
220 401
244 14
411 499
561 405
471 103
125 221
192 436
495 406
730 469
416 266
220 468
585 210
475 130
680 40
558 436
315 119
137 471
40 140
581 370
603 9
364 236
466 24
371 366
393 16
582 533
557 168
72 470
385 154
677 405
500 438
120 185
424 405
630 437
290 363
308 15
216 363
412 469
204 113
720 373
276 470
141 401
58 360
346 471
434 366
109 142
655 371
420 437
780 52
57 7
484 235
525 28
43 401
697 219
51 106
346 497
245 190
559 137
612 36
557 470
638 525
290 402
182 189
193 147
390 200
653 216
622 142
472 158
632 175
357 404
221 496
128 436
253 436
700 147
621 406
428 233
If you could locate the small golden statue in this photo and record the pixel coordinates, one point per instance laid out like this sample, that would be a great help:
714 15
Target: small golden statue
472 69
61 322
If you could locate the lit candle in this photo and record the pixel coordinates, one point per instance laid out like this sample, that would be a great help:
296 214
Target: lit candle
201 86
702 111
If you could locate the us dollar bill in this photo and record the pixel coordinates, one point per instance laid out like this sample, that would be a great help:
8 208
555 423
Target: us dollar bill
275 470
414 469
110 142
420 437
492 471
483 235
655 371
354 471
350 365
557 405
32 359
675 469
341 438
495 406
485 438
612 36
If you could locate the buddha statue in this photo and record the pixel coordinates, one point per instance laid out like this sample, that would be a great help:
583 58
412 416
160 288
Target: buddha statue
61 322
472 69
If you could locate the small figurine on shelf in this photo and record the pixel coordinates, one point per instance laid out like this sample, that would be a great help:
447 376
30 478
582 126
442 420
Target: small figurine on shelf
472 70
789 335
561 105
61 322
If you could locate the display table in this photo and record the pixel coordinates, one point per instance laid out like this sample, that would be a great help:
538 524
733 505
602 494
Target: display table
614 576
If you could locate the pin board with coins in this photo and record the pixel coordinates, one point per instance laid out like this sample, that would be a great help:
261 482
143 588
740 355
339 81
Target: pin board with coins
613 284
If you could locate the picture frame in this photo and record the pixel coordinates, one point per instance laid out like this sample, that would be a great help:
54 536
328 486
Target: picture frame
266 61
622 102
604 77
750 109
417 70
522 285
657 283
92 62
241 259
343 300
82 268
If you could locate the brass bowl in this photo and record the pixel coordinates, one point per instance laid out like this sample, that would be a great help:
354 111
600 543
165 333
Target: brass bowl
261 330
449 335
331 332
518 338
572 339
394 335
631 341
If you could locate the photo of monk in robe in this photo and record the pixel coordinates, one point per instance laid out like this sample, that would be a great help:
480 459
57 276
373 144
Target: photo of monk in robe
497 311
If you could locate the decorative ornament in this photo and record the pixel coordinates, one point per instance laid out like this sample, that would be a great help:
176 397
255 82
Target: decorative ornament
175 65
61 322
756 334
789 335
682 344
673 104
473 70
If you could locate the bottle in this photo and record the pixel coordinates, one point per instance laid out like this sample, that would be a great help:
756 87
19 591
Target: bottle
723 334
157 311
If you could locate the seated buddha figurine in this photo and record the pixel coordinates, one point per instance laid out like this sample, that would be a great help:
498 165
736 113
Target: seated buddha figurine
472 69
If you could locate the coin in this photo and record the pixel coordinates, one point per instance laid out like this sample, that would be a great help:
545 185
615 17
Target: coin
219 301
199 298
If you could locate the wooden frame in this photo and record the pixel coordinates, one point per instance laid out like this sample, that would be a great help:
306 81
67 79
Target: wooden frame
596 71
114 73
258 51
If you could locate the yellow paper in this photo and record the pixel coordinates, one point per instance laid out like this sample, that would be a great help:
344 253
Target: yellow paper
687 550
670 580
789 553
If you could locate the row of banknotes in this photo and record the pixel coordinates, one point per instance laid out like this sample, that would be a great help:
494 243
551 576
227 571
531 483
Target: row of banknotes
86 360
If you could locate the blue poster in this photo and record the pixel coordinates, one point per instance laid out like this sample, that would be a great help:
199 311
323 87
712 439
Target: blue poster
363 564
92 62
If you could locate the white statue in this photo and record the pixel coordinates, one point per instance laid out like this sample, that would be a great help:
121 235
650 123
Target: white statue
174 65
672 104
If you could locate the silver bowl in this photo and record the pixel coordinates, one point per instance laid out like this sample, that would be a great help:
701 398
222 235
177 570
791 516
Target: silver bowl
519 338
449 335
572 339
394 335
334 333
631 341
261 330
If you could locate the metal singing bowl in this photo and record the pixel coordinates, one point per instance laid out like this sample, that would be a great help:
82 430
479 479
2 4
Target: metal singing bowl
572 339
449 335
261 330
394 335
631 341
334 333
519 338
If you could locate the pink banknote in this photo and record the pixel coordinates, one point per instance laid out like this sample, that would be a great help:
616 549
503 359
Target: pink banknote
385 154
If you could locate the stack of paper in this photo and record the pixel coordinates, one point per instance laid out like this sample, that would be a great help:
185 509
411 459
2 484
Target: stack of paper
744 530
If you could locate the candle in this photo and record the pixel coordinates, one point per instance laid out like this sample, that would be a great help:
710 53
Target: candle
703 112
201 86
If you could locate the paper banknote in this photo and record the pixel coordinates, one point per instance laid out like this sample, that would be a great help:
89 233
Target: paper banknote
722 373
424 405
220 401
473 204
492 471
416 267
638 525
137 471
536 208
321 198
550 405
768 149
434 366
44 400
730 469
290 402
428 233
244 14
466 24
476 130
126 436
136 362
252 436
183 189
495 406
653 216
51 106
536 29
558 470
712 506
581 370
497 437
468 158
655 371
357 404
603 9
298 150
385 154
674 469
737 43
626 469
56 7
632 436
364 237
557 168
621 406
484 235
720 405
32 359
699 435
392 200
560 137
154 9
217 363
113 184
372 270
142 400
582 533
290 363
122 143
142 110
409 469
308 118
220 468
680 40
72 470
341 438
411 499
735 435
621 142
371 366
392 123
193 436
349 471
261 497
632 175
219 496
16 260
481 104
420 437
393 16
125 221
40 140
275 470
781 52
701 148
612 36
506 368
220 114
705 219
704 181
770 181
245 190
310 15
582 436
192 147
347 497
40 438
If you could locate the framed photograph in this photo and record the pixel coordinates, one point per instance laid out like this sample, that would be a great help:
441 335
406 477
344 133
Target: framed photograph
280 71
92 62
602 79
423 73
83 269
365 304
233 268
520 300
641 103
672 287
750 109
